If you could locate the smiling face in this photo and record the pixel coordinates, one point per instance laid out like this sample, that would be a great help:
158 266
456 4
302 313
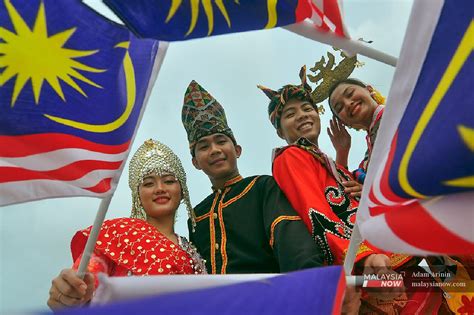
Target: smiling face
299 119
353 105
160 195
216 155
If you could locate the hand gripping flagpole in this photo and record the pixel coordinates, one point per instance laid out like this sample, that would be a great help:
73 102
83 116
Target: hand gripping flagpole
354 243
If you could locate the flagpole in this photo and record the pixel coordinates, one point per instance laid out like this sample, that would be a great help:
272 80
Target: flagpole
99 219
356 240
308 29
104 205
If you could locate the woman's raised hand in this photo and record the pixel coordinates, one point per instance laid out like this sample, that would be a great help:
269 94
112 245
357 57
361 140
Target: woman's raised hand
341 140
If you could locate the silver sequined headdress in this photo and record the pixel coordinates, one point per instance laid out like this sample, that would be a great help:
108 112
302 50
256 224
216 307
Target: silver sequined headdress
153 157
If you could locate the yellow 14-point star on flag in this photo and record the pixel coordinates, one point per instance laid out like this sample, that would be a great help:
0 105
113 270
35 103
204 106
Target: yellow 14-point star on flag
32 54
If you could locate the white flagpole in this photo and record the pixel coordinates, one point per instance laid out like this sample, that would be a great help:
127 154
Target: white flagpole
308 29
99 219
356 239
104 204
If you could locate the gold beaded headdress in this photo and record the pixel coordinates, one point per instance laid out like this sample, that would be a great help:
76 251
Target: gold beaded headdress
153 157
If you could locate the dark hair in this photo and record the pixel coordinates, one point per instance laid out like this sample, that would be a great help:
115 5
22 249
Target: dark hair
345 81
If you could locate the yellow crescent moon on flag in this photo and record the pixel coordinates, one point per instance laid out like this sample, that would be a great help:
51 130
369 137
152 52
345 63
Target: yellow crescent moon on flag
458 60
131 94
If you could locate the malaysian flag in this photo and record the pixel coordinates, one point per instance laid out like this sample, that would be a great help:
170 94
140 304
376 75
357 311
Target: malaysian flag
327 16
72 88
181 20
419 193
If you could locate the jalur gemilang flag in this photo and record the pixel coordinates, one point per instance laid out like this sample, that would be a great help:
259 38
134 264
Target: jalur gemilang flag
419 194
72 86
182 20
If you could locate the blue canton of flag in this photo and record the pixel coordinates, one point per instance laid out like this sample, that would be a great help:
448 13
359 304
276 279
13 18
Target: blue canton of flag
180 20
72 86
435 146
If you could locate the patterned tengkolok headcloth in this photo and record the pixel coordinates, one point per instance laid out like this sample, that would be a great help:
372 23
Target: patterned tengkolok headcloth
202 115
279 98
153 157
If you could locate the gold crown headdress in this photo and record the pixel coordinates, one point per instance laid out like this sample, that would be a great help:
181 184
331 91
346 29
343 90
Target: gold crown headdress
153 157
324 71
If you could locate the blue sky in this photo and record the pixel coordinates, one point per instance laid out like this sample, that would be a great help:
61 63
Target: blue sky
35 236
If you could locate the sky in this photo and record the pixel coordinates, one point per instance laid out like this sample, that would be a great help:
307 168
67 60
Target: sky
35 236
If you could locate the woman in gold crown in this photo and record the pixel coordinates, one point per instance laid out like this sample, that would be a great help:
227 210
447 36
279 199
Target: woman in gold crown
145 243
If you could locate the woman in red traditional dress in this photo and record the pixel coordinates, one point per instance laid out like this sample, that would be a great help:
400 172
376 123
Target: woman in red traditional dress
145 243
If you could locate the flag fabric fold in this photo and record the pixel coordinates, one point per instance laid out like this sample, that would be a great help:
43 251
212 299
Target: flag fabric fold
72 88
114 289
419 193
317 290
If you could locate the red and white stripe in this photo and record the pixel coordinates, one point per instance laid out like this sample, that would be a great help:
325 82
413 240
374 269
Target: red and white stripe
326 25
441 225
327 16
56 165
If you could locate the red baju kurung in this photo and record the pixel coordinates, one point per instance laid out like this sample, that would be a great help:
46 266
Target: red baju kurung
134 247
